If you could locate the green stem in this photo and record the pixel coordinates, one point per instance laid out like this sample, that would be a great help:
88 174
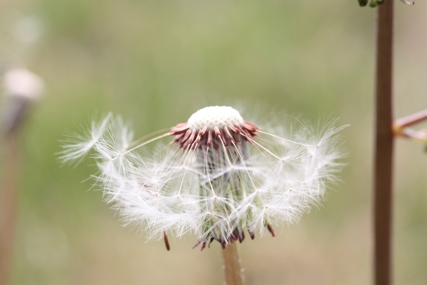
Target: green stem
232 268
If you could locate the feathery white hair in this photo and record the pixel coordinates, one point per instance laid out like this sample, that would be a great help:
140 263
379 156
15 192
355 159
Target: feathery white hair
218 177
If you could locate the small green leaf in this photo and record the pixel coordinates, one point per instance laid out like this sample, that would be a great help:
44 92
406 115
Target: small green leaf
373 4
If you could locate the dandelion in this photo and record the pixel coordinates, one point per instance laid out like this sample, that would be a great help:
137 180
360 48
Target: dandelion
219 177
22 88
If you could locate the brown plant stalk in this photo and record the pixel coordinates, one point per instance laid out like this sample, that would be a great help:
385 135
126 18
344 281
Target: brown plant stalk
384 141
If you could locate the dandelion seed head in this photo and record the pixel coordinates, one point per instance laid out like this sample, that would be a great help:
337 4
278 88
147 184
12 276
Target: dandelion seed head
220 176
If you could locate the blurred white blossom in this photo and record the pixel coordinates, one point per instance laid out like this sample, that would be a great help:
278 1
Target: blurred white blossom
21 82
219 177
22 88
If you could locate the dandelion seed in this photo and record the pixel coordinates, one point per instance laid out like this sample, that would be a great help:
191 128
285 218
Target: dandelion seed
219 177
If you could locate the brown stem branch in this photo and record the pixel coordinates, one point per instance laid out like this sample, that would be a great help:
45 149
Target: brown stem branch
400 127
383 157
232 268
419 136
412 119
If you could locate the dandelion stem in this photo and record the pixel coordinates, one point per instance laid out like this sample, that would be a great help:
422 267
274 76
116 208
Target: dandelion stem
8 201
232 268
383 160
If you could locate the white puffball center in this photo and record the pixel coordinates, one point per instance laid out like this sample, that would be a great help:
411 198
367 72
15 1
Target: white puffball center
214 116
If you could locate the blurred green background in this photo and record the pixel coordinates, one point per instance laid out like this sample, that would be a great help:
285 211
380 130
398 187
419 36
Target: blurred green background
156 62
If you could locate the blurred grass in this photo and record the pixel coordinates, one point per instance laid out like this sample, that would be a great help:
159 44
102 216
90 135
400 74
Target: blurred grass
156 62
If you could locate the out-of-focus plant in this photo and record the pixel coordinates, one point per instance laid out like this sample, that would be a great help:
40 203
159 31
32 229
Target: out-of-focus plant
22 88
386 129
